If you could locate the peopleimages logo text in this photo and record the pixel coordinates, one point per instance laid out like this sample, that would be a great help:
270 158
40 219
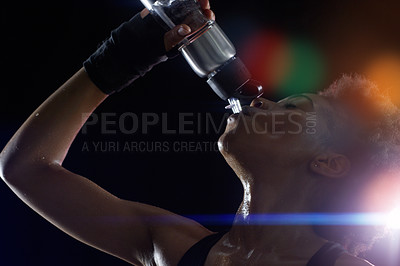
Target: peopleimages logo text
130 123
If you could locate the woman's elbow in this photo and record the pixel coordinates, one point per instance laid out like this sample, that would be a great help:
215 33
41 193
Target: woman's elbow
12 166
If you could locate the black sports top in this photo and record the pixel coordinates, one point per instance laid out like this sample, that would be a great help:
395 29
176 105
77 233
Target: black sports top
197 254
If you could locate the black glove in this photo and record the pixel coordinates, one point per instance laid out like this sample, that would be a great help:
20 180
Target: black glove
131 51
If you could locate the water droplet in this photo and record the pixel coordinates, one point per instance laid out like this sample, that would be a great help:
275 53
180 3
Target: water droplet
37 114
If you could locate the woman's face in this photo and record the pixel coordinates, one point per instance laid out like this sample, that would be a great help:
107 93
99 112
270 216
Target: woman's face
269 138
284 133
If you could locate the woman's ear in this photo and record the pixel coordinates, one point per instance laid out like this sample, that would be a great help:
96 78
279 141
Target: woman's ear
333 165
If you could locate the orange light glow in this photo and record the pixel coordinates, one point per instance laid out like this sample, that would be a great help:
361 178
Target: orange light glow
384 70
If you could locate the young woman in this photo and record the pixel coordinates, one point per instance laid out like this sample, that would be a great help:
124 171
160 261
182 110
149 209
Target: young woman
284 168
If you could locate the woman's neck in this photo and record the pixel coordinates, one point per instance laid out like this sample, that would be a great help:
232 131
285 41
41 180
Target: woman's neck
249 231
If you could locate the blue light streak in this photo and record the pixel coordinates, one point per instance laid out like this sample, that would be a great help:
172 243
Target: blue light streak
350 219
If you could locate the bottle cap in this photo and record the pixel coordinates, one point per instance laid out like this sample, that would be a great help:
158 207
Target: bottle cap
234 80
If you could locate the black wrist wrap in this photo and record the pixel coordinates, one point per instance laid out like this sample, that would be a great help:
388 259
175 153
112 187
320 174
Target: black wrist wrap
131 51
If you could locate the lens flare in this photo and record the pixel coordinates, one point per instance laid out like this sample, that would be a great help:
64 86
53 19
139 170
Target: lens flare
393 219
306 70
264 55
333 219
384 71
285 65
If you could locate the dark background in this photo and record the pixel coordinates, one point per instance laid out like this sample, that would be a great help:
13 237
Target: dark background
43 44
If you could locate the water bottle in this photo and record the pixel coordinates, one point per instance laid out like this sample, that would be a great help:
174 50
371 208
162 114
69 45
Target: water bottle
208 50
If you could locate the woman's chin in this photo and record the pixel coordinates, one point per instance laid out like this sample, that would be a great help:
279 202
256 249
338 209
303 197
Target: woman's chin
231 143
223 144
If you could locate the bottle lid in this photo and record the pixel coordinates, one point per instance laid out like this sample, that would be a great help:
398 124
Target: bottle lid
234 80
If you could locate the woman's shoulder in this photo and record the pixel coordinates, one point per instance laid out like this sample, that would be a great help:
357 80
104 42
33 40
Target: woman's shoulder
349 260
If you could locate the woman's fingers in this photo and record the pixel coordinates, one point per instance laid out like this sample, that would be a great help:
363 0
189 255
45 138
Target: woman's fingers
176 35
205 4
144 13
209 14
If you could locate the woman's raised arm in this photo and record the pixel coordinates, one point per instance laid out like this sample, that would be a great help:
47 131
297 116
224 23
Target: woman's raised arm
31 165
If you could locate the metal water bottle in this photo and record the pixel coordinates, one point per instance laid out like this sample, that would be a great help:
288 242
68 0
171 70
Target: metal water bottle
207 49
